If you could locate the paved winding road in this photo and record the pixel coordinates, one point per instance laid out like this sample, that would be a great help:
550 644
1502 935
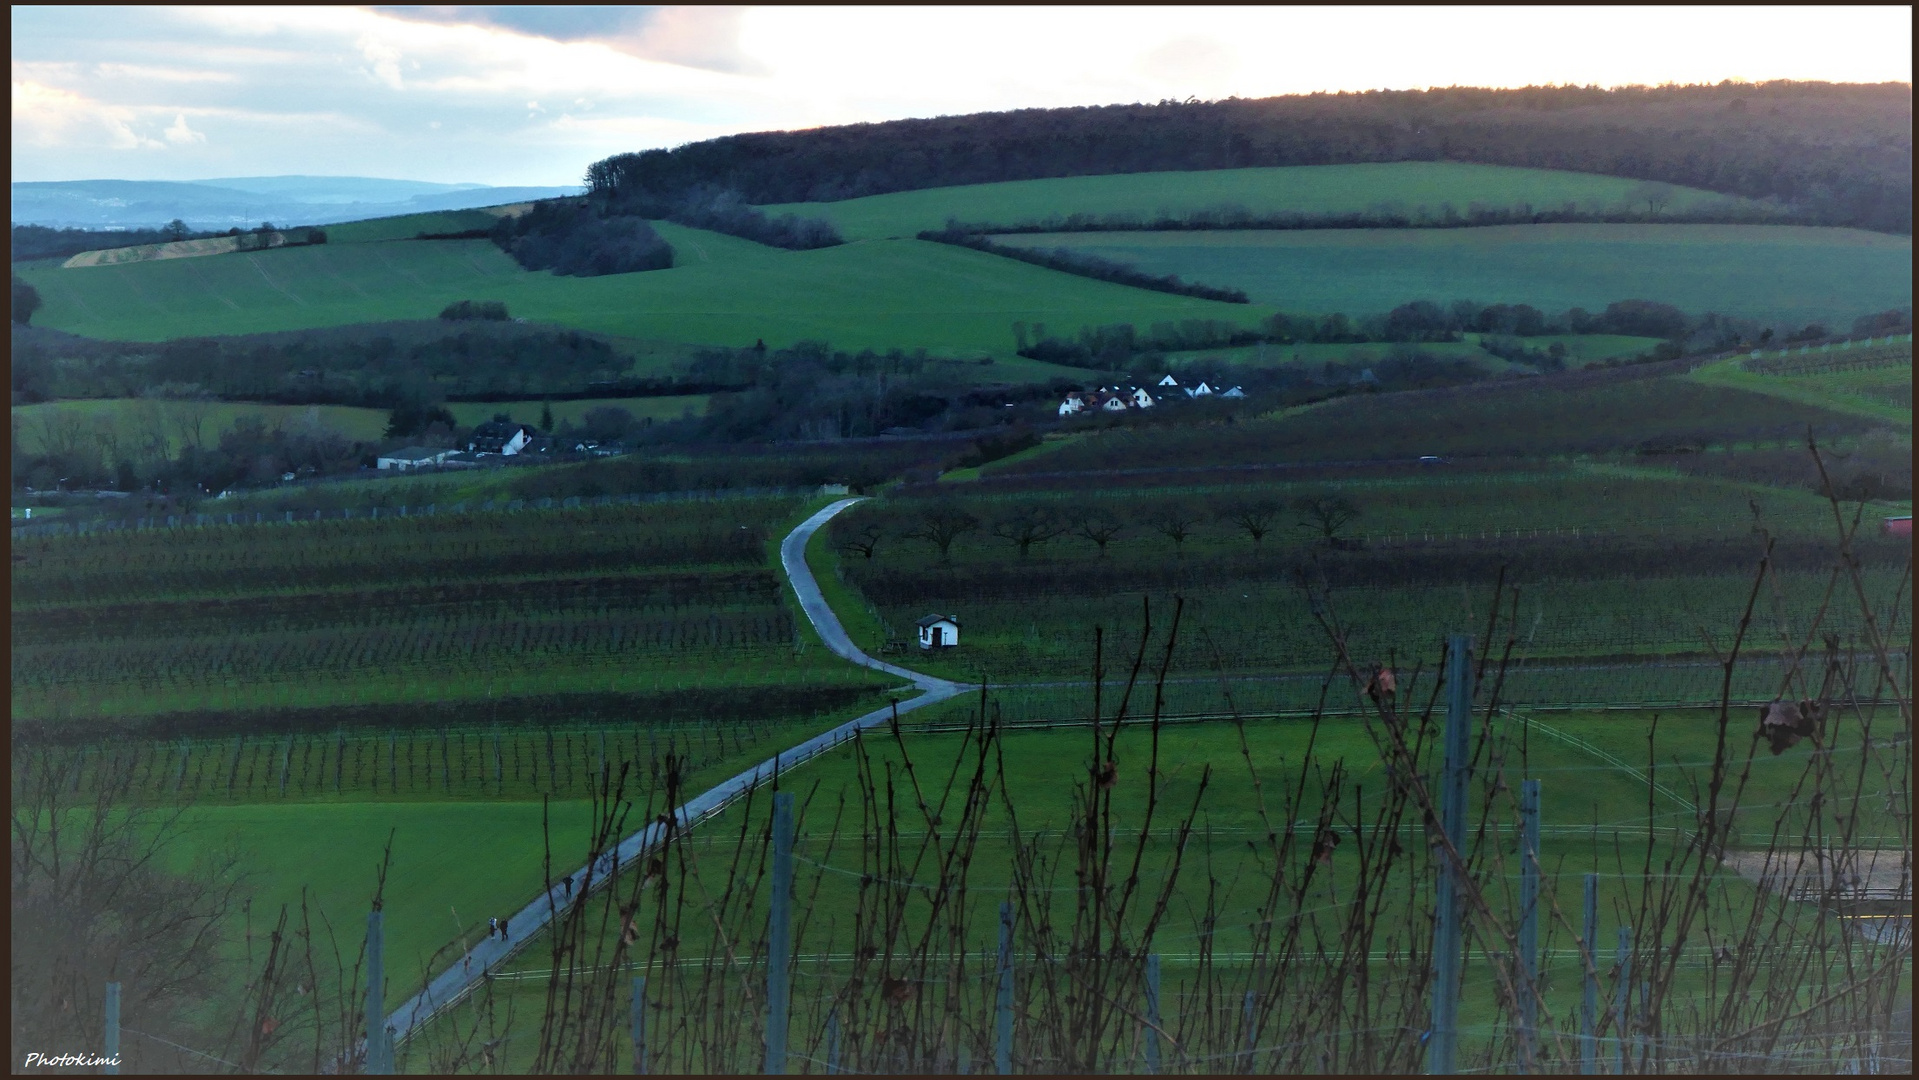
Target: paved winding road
464 974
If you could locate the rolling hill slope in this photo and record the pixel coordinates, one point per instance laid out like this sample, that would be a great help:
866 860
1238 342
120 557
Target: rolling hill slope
881 294
1307 189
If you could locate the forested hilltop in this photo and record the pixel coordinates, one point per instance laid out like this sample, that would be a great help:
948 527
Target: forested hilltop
1836 154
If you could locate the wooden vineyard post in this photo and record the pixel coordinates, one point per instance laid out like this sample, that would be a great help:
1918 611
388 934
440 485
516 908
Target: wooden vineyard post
1528 924
779 935
1003 1020
286 762
1152 1013
186 751
379 1060
339 759
496 760
552 768
639 1025
1589 1001
446 766
112 1066
1447 943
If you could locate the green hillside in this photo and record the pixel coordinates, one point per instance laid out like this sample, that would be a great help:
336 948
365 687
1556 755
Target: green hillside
1793 274
906 293
408 226
1312 189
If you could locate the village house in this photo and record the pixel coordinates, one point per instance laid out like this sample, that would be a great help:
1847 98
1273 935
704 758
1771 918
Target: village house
939 632
409 457
503 437
1106 399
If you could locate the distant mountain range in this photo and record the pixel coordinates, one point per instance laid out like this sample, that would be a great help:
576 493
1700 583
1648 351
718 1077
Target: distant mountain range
249 200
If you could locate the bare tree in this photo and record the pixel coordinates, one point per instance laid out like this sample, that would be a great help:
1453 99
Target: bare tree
1100 527
1326 513
149 428
1175 521
1655 195
190 416
94 902
1028 525
864 539
107 437
61 431
1254 517
940 524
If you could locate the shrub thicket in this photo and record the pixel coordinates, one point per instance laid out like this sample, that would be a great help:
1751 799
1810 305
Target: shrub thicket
575 239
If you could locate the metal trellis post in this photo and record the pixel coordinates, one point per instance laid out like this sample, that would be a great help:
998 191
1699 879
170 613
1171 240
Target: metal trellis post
833 1043
639 1025
779 934
1248 1013
1622 997
1003 1022
1447 939
1589 1001
378 1059
1528 923
112 1066
1152 1013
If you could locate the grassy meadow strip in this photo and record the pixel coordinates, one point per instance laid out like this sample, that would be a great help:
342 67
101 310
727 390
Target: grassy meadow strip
1796 274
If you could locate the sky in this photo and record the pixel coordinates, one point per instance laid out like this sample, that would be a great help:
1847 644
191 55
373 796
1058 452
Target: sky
532 95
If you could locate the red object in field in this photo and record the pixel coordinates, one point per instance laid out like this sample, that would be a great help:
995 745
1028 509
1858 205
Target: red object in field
1899 526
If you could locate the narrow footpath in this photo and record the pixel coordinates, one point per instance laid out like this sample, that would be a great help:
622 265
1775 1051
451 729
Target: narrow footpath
465 973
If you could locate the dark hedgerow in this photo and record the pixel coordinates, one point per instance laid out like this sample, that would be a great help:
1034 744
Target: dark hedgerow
575 239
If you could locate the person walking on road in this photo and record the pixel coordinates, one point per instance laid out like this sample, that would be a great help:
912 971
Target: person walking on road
569 885
502 929
492 927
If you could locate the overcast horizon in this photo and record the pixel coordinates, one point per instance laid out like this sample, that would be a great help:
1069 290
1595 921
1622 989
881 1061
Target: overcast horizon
531 96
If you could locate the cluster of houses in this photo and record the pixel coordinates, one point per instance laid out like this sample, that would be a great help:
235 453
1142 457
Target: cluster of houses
490 443
1120 399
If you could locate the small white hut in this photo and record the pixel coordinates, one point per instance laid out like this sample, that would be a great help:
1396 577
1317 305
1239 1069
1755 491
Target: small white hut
939 632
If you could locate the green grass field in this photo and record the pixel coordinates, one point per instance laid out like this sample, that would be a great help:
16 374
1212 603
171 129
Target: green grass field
1874 381
176 422
879 294
1311 189
1792 274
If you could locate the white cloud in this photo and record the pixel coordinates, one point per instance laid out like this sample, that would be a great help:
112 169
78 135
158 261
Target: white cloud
180 134
52 117
384 61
